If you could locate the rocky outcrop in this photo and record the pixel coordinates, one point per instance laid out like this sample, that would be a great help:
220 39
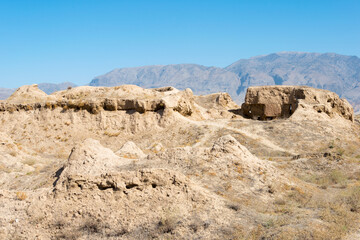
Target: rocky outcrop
216 100
88 158
96 99
268 102
130 150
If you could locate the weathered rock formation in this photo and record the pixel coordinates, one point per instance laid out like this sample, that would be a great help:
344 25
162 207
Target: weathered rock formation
130 150
96 99
268 102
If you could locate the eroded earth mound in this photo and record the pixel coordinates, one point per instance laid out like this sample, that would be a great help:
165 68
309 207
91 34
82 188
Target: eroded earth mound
268 102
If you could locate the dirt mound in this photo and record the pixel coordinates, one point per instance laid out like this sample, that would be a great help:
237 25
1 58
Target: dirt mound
29 94
216 100
133 205
130 150
91 200
226 161
267 102
90 158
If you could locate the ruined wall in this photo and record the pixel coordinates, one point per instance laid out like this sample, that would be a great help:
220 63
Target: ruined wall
94 100
268 102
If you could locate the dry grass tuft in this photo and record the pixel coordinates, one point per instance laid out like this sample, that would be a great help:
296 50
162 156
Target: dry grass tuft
21 196
112 134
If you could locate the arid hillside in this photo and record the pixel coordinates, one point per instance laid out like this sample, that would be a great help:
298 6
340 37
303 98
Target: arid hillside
131 163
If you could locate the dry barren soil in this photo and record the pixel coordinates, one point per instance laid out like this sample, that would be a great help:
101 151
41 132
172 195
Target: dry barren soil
133 163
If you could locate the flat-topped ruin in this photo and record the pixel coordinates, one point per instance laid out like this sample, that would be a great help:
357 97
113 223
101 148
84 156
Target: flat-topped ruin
261 102
96 99
269 102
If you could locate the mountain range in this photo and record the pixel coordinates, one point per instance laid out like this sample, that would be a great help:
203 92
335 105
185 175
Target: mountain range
334 72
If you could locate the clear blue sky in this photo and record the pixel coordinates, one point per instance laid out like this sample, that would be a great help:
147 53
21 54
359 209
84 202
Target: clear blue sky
76 40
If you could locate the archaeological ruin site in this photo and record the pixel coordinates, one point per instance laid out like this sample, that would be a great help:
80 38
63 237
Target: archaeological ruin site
132 163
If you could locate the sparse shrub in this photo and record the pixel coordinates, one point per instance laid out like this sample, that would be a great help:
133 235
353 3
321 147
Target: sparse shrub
268 223
48 105
11 109
339 218
235 207
3 168
60 223
326 180
62 153
129 156
228 186
112 134
168 222
81 104
353 200
212 173
340 151
29 162
356 176
197 223
167 225
91 226
21 196
299 195
280 201
248 234
13 153
337 177
68 235
239 169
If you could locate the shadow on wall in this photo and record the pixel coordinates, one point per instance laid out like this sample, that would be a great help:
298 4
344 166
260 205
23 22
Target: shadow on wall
268 111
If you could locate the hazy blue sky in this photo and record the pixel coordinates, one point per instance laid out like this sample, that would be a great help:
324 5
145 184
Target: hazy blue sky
76 40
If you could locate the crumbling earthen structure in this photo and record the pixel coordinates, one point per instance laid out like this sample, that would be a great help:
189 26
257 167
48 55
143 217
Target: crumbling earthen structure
94 100
269 102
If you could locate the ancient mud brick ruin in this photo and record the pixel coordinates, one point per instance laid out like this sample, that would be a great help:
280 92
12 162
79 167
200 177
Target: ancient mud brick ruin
269 102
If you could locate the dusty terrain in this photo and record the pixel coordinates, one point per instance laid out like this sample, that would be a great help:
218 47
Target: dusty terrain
132 163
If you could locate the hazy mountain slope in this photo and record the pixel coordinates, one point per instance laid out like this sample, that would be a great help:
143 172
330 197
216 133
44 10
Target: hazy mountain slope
201 79
46 87
5 93
54 87
330 71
